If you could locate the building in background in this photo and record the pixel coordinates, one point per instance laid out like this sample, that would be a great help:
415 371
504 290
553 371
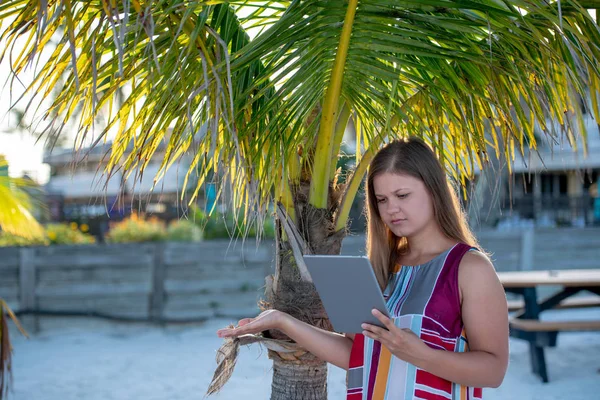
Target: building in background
78 190
554 185
561 187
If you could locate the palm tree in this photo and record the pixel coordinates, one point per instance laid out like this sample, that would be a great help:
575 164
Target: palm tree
261 94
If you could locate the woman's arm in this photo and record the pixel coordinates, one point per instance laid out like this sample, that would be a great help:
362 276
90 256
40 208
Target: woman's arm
485 317
328 346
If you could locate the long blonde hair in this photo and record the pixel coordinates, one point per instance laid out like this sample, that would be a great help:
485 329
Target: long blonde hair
415 158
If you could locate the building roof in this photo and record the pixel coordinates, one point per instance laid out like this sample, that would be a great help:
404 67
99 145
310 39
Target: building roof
80 183
560 156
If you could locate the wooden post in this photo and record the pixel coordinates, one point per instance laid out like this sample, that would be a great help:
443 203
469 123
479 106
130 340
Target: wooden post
537 197
527 249
27 284
157 297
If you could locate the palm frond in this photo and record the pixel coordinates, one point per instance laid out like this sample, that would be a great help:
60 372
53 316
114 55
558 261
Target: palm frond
6 348
460 65
16 206
465 75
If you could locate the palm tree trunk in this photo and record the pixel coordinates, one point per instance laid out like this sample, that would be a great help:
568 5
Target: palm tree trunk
301 375
304 379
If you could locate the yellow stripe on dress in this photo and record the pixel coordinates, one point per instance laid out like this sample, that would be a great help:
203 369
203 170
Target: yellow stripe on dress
463 393
463 348
383 370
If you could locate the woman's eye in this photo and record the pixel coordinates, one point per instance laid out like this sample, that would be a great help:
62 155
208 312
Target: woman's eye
380 200
403 196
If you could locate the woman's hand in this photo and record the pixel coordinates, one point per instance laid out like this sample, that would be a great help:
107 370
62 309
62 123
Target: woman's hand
403 343
270 319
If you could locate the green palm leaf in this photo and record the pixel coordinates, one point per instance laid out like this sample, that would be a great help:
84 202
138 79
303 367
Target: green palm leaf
466 75
455 66
15 207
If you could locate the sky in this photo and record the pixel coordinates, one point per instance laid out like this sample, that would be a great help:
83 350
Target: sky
24 155
22 152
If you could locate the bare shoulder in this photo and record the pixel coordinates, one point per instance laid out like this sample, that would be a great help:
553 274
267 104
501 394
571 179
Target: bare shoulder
477 263
476 271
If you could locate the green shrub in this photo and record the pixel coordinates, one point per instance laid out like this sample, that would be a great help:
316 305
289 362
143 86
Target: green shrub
10 240
225 226
55 234
184 231
134 229
67 234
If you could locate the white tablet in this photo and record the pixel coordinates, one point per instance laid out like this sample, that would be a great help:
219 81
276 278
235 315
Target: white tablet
348 289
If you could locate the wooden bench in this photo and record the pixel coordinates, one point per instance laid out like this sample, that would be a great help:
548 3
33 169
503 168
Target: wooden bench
525 323
533 325
572 302
540 334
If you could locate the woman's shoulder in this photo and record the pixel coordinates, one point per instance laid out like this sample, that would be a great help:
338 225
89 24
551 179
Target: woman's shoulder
476 268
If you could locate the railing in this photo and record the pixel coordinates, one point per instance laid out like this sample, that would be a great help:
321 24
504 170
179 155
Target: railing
560 210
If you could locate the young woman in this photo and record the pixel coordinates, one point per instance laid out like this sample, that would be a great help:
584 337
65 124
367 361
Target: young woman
448 336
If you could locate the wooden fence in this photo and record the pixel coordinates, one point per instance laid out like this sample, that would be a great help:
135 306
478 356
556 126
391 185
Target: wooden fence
181 281
149 281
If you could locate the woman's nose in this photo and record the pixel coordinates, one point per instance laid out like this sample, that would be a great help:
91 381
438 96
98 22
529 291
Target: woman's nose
393 207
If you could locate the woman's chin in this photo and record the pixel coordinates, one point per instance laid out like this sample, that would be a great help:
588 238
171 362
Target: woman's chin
401 231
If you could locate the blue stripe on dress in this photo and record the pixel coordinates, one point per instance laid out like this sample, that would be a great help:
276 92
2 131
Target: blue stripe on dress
411 374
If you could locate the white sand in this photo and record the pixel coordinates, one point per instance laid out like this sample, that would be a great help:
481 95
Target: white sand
101 361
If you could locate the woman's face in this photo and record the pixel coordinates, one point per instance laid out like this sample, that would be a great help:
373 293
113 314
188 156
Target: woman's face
404 203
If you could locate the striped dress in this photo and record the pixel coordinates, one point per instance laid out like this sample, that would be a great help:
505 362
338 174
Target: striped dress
424 298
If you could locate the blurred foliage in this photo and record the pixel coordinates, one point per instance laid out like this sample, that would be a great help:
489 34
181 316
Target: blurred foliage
226 225
17 205
184 231
67 234
137 229
54 234
9 240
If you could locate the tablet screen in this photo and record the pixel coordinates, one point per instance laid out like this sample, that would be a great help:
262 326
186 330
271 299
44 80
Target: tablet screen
348 289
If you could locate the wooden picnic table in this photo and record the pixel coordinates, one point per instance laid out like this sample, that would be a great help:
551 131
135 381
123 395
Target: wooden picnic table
565 277
526 323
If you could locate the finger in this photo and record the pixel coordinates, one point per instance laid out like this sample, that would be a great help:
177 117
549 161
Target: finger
375 330
227 332
245 321
370 335
382 318
232 332
375 336
249 327
368 332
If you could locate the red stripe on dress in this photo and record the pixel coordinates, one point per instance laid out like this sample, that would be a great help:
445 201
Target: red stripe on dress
435 382
422 394
357 354
373 368
437 340
444 304
357 357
